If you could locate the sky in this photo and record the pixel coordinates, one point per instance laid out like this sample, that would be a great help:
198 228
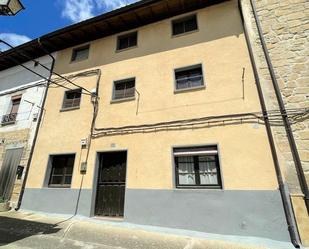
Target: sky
44 16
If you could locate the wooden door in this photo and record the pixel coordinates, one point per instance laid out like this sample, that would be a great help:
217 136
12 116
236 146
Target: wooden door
111 184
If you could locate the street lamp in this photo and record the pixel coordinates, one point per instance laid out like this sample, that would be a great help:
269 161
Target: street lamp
10 7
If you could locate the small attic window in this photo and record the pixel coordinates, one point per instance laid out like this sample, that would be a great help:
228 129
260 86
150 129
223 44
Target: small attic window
80 53
127 41
184 25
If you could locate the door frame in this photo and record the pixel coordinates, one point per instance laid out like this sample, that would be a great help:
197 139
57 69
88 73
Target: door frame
96 176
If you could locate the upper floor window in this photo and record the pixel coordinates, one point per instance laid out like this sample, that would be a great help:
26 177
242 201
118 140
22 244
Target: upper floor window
127 41
61 170
189 77
72 99
80 53
184 25
124 89
10 118
197 167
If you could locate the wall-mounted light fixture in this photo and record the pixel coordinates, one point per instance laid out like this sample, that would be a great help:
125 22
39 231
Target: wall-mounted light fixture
10 7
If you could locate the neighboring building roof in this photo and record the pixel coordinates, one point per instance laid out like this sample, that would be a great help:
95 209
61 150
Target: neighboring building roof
132 16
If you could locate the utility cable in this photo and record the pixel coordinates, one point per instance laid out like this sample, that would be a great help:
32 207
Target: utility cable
273 116
43 77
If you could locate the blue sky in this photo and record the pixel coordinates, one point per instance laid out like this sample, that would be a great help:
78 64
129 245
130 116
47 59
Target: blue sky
43 16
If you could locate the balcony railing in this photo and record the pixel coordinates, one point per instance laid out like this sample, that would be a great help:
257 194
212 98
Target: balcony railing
9 119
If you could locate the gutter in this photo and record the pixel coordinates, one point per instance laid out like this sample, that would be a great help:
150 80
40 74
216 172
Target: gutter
37 128
290 219
286 121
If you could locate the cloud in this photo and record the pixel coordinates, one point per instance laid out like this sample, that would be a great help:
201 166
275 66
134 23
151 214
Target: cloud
112 4
13 39
79 10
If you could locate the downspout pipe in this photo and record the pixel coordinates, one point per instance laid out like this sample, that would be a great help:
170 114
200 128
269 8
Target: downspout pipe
286 121
283 193
37 129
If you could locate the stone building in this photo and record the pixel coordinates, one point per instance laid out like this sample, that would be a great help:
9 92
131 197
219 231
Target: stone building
21 95
285 28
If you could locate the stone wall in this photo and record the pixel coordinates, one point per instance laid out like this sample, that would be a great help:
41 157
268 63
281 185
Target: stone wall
286 29
285 25
16 139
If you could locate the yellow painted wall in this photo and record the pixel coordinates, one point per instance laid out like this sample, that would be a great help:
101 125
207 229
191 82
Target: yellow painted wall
220 47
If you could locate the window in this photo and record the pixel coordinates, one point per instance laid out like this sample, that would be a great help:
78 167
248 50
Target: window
61 170
189 77
15 104
127 41
184 25
11 117
80 53
197 167
124 89
72 99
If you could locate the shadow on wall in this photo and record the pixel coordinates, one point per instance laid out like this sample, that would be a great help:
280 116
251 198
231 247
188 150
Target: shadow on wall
215 22
12 229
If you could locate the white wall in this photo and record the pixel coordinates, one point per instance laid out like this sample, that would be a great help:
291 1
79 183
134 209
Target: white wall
17 80
26 111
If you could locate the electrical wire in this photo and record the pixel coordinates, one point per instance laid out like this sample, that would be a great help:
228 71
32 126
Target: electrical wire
43 77
74 76
255 114
274 116
87 92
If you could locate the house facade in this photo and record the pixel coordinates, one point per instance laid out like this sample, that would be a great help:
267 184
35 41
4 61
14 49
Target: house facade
21 95
137 141
163 113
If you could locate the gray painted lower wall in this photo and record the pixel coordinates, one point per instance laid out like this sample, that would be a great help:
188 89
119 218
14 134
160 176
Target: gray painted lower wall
231 212
59 201
243 213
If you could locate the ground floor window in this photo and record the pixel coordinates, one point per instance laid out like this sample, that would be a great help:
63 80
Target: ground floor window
61 170
197 167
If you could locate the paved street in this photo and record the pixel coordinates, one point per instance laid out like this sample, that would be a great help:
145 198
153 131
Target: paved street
26 230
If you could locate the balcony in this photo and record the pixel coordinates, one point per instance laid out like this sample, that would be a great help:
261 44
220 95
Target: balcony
8 119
